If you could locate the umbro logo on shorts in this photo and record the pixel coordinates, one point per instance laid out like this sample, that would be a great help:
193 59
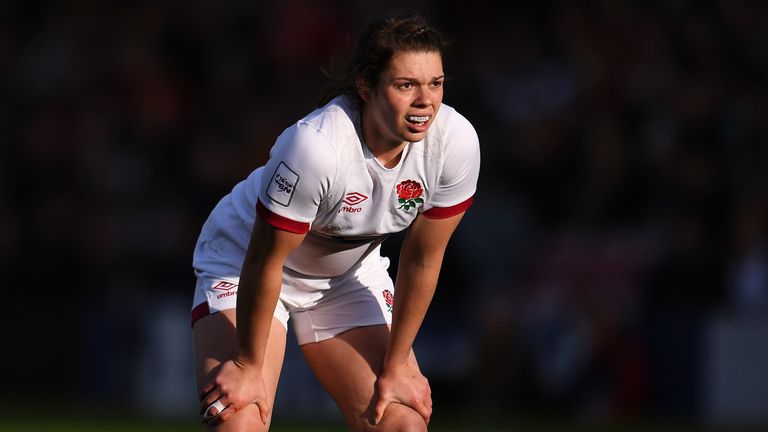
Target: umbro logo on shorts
225 286
228 288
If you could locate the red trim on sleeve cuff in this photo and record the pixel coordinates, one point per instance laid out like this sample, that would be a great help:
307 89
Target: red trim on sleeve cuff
281 222
446 212
199 311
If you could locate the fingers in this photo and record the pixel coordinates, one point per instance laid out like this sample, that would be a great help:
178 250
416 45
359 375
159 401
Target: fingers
210 398
378 410
214 404
205 390
214 411
219 411
424 411
423 408
263 410
225 415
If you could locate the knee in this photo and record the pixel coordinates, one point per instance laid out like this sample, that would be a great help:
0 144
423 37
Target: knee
407 422
396 418
246 420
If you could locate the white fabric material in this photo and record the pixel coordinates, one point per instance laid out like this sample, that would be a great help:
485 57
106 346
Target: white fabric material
320 172
320 307
322 175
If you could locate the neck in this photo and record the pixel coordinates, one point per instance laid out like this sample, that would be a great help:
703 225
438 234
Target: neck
389 158
387 152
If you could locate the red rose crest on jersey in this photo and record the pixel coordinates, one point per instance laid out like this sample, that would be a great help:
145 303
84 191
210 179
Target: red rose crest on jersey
389 298
409 194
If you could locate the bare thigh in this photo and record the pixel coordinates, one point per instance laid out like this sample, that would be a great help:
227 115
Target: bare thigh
214 337
347 366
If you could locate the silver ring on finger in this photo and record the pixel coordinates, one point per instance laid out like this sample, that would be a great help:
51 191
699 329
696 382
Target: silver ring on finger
207 416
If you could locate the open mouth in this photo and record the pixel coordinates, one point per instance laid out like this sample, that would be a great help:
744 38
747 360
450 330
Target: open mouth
417 120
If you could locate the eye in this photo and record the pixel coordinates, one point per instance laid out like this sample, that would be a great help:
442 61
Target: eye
437 83
405 86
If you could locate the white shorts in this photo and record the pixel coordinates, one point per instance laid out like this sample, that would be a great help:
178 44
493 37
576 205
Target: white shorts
319 308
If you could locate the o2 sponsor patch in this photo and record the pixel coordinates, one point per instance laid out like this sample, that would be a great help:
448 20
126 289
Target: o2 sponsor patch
283 185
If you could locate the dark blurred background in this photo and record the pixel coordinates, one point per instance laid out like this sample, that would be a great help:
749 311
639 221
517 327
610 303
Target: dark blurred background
614 266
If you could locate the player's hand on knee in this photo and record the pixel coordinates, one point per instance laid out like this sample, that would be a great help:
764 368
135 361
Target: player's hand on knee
233 386
405 385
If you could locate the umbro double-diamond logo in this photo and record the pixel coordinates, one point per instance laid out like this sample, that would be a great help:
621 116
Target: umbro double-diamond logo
352 199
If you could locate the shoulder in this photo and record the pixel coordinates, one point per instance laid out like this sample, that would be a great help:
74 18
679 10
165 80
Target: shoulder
335 120
452 134
320 142
322 128
450 123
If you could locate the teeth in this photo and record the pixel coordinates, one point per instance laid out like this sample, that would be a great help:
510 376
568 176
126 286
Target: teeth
418 119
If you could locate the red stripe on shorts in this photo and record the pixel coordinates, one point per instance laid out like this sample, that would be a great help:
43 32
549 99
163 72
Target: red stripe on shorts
199 311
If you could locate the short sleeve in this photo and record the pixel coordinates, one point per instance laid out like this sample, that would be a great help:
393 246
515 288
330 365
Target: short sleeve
461 167
300 171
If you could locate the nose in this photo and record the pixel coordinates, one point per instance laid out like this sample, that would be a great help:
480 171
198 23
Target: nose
424 97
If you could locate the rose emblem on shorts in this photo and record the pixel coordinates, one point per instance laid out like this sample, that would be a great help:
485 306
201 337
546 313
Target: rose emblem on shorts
389 298
409 194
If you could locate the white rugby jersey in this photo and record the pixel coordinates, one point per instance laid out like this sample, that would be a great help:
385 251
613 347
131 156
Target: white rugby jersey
322 180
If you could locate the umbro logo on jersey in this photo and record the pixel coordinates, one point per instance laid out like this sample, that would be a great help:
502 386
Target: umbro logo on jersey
354 198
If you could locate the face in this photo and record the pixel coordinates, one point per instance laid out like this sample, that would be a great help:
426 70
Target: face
403 105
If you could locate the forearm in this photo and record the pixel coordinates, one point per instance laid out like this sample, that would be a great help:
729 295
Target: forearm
257 297
421 257
261 279
416 283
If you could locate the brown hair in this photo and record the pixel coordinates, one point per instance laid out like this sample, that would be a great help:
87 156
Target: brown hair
385 35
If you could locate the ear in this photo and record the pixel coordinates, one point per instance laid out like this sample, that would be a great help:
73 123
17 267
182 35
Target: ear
362 89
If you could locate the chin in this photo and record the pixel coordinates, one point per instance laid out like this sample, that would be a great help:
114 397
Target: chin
415 136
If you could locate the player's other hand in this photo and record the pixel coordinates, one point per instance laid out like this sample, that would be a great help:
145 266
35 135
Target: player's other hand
236 385
405 385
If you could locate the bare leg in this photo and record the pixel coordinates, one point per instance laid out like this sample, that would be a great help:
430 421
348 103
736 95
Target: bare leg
215 343
347 366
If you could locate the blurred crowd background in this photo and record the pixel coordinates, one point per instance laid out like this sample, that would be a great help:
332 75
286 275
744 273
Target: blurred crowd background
614 266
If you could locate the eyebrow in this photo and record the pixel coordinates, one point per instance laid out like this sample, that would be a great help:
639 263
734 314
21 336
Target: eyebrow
414 79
